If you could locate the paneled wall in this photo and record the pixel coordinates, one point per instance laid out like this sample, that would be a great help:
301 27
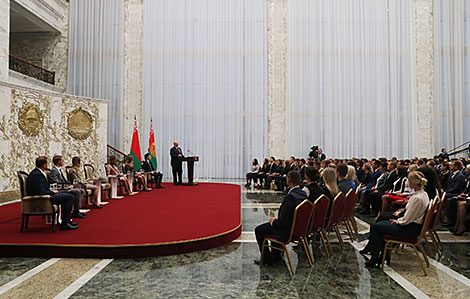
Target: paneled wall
35 122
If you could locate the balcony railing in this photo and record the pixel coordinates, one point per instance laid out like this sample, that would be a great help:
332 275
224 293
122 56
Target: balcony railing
32 70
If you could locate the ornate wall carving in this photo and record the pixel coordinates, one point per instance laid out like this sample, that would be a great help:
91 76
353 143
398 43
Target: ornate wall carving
424 37
18 150
277 77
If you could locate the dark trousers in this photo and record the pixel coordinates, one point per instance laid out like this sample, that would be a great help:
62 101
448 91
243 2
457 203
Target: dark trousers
177 171
251 176
158 178
373 199
451 209
261 231
378 230
78 194
66 201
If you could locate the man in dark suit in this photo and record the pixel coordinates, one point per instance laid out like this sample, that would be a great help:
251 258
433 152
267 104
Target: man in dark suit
148 167
313 188
57 177
280 227
177 163
375 198
455 187
37 184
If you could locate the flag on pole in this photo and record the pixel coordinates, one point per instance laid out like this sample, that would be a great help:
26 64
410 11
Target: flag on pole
152 150
135 147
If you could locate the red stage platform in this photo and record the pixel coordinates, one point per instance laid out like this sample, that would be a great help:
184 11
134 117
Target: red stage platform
174 220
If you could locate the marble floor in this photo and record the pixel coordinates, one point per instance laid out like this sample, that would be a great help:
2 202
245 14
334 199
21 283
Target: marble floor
229 272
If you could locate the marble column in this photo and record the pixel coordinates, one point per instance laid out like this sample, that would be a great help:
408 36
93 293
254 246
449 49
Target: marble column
4 38
424 35
133 54
277 77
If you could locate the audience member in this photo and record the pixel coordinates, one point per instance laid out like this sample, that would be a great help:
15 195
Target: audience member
344 185
37 184
280 227
455 187
112 169
149 169
56 176
130 169
77 175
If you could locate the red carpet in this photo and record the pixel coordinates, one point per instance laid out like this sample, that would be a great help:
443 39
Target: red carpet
166 221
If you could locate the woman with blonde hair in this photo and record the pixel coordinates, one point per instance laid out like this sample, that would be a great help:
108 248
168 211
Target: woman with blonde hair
352 176
329 179
407 226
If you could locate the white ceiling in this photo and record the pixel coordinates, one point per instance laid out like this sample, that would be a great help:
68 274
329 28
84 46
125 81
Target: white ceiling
22 20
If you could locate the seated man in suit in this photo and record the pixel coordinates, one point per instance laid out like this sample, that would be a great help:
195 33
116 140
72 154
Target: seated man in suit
37 184
148 167
280 227
57 177
313 188
455 187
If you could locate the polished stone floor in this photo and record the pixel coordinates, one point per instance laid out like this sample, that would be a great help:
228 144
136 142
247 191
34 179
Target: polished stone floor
229 272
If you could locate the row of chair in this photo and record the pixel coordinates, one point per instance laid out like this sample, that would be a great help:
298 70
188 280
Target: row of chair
40 205
310 220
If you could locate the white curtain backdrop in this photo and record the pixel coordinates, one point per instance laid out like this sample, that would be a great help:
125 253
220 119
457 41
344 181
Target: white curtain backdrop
351 78
452 67
204 82
96 56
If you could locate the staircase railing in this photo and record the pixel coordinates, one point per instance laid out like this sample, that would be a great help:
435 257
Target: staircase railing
121 157
32 70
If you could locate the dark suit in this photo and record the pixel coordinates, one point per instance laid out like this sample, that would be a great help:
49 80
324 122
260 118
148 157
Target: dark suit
280 227
148 167
57 177
455 187
177 164
375 198
36 184
315 191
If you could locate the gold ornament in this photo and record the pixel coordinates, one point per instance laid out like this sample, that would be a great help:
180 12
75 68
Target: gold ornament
30 119
80 124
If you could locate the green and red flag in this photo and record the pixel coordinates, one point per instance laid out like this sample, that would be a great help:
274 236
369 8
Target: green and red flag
152 150
135 148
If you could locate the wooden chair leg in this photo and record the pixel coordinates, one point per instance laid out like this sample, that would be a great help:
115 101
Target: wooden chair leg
27 222
421 248
288 259
307 251
340 239
419 259
22 222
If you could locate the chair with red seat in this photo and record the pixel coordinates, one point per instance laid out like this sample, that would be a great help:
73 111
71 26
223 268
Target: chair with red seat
415 243
334 219
298 232
318 222
432 231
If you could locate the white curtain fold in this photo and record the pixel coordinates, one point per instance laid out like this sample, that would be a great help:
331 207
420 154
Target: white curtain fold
451 73
96 57
204 82
351 78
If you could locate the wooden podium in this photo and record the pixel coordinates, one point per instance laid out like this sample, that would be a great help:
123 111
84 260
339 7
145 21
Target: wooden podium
190 161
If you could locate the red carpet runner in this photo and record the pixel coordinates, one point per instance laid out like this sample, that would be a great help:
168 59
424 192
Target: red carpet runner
173 220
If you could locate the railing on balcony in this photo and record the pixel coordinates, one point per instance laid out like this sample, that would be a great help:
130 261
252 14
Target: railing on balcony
32 70
121 157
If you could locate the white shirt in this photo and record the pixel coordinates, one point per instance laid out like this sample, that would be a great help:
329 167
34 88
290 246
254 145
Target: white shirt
415 209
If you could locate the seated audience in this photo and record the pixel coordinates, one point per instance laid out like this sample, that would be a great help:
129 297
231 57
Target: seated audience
112 169
280 227
77 175
408 226
401 191
253 174
262 174
37 184
56 176
368 174
148 168
130 169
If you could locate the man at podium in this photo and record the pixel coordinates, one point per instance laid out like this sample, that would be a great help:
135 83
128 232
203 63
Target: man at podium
177 163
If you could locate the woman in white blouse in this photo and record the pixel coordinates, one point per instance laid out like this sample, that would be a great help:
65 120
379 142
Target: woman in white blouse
408 226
